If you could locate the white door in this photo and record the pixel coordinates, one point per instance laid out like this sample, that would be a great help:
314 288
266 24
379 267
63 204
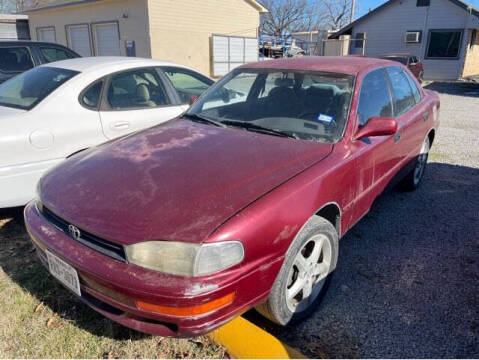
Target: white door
79 39
107 39
46 34
136 99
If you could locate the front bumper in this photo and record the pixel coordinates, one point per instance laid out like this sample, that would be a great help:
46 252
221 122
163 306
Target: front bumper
111 287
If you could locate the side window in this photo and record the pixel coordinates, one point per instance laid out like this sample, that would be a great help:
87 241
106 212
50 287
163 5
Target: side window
415 90
403 95
375 97
187 83
136 89
15 59
91 96
50 54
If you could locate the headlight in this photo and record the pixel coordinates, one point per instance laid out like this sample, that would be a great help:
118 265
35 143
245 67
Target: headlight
185 259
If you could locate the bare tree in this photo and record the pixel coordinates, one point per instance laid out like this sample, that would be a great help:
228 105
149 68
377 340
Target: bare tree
287 16
16 6
334 14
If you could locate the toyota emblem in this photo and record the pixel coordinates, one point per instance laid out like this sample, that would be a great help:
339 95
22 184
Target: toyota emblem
74 232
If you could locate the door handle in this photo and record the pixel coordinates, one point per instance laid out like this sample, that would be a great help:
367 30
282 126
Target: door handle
120 125
426 117
397 137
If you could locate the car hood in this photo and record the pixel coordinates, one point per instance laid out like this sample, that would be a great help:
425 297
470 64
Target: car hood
178 181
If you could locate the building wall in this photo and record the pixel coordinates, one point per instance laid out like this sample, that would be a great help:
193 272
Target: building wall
385 31
134 26
180 30
471 64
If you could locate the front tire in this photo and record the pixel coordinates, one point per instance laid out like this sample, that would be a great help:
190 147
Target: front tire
305 275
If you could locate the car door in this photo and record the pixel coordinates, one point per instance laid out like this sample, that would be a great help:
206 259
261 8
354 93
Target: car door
376 156
135 99
409 111
14 60
188 84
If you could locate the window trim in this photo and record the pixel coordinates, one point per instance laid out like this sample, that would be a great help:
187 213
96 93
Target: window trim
46 28
88 87
393 95
106 107
29 53
69 45
461 31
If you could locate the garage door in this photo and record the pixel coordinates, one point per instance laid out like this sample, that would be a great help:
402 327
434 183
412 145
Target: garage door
46 34
106 39
79 39
230 52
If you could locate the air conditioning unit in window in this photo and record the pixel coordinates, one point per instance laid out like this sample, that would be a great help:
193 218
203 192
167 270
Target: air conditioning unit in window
413 36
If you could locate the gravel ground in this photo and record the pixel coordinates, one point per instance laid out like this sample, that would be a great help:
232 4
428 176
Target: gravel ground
407 282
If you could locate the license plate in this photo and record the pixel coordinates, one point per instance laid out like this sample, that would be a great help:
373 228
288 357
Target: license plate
66 274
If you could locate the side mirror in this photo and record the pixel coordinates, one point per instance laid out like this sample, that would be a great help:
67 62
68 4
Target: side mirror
378 126
193 99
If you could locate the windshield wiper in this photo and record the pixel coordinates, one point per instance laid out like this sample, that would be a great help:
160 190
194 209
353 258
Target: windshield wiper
204 120
251 126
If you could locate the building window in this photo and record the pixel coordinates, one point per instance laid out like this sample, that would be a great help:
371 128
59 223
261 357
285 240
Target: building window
46 34
420 3
444 44
359 41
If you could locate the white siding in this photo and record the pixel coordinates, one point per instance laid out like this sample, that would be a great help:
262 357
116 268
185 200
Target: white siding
386 28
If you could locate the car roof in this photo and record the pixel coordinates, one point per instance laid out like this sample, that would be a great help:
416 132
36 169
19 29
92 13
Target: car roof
351 65
85 64
13 42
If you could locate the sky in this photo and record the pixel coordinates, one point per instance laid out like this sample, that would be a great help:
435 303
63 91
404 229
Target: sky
363 6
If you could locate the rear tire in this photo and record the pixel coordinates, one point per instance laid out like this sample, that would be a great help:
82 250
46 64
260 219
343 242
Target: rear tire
413 179
305 275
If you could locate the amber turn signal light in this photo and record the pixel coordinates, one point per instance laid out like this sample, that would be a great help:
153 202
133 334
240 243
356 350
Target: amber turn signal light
189 310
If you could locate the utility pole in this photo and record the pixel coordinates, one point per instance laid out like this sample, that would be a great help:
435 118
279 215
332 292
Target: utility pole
353 5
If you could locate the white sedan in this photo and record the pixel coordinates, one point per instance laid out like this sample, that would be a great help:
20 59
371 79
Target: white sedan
56 110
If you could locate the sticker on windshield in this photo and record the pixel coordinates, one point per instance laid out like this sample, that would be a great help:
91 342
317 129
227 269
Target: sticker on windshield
325 118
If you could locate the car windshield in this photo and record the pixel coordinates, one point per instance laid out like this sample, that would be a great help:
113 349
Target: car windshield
301 104
26 90
401 59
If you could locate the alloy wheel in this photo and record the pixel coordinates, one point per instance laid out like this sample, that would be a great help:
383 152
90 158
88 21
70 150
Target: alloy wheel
308 273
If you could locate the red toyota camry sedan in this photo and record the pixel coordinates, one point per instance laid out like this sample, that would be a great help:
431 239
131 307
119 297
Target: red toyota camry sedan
240 202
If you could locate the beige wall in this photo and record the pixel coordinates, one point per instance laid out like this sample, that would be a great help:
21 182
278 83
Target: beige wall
134 27
471 64
180 30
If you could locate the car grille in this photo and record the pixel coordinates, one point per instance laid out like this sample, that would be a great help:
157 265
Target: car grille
105 247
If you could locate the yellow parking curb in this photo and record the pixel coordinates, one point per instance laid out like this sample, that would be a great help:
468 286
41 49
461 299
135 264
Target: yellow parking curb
244 340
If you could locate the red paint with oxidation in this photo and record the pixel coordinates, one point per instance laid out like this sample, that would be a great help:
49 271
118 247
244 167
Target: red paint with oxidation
183 181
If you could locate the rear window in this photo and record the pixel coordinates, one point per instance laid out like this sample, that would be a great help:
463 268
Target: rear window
15 59
28 89
51 54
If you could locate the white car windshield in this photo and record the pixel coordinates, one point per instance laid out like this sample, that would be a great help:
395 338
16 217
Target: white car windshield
26 90
306 105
